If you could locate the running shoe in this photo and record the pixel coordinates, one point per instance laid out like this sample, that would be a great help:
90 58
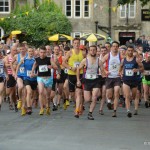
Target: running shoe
64 106
135 112
29 111
76 113
11 107
48 111
16 109
23 111
41 111
114 114
101 112
90 117
19 104
129 114
146 104
55 108
109 106
67 103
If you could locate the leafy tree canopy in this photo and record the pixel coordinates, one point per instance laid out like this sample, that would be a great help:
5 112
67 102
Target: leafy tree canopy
39 23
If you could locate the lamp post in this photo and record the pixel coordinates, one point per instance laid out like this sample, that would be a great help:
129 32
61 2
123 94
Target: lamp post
109 21
96 26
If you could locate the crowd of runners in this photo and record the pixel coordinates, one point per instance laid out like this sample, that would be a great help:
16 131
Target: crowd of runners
52 76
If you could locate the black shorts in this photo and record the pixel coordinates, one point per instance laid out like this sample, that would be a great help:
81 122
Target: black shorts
112 82
32 84
11 82
2 79
102 81
130 83
140 85
73 82
61 80
89 85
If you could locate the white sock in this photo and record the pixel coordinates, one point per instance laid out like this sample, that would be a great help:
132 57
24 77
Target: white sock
108 100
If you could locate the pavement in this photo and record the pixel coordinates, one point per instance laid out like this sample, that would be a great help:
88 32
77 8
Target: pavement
61 131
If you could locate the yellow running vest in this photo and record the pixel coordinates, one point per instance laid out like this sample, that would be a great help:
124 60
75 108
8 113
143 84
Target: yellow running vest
74 61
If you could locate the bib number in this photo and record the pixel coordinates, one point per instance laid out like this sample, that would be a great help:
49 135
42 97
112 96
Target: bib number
129 72
91 76
114 68
76 64
147 72
66 71
43 68
21 69
28 73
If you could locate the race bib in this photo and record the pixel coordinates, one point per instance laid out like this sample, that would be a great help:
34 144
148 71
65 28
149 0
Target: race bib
91 76
114 67
129 72
21 69
147 72
1 70
43 68
76 64
66 71
28 73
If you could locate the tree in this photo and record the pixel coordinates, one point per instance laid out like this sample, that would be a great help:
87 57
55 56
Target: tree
123 2
39 23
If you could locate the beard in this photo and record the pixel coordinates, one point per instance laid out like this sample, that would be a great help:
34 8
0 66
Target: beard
93 55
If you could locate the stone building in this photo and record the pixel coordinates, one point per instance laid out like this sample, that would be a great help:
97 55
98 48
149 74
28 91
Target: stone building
98 16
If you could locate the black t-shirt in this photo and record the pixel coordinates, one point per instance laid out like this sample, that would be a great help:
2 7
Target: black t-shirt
42 66
147 68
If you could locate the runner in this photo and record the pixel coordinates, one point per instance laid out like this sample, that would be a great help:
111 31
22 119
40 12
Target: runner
130 65
44 78
11 82
2 78
30 83
113 81
102 81
146 79
71 62
20 74
91 84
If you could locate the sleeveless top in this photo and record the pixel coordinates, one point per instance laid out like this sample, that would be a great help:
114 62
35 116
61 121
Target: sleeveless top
2 68
147 69
9 70
74 61
42 67
91 69
21 71
112 65
128 67
28 64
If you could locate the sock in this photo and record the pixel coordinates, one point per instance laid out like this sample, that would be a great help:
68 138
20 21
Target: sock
90 112
108 100
114 110
128 110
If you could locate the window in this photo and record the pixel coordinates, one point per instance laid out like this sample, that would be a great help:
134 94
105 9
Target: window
86 8
123 11
131 9
4 6
77 8
69 8
77 34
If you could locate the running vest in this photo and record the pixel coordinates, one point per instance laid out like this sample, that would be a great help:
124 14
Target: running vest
128 67
28 64
9 70
42 67
2 68
21 71
92 69
147 69
74 61
112 65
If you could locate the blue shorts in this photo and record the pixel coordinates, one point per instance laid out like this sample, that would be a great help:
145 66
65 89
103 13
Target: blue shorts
48 82
22 77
